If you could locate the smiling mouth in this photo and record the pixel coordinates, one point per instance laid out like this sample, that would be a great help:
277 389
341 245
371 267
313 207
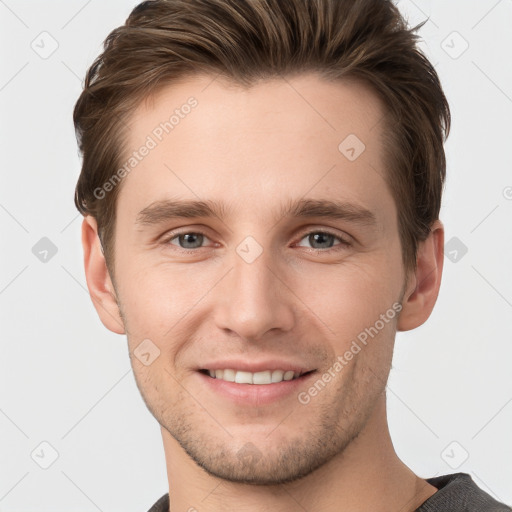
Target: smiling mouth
259 378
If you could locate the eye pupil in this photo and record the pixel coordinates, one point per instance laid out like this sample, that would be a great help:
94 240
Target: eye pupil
322 239
191 240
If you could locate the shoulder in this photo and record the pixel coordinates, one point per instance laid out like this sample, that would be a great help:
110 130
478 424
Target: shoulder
162 505
458 492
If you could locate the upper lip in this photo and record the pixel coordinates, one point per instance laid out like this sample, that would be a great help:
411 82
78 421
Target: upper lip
255 366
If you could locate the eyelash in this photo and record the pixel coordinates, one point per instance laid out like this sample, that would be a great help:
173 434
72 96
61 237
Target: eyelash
343 244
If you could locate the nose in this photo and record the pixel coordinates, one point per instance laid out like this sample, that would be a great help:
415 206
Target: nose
254 299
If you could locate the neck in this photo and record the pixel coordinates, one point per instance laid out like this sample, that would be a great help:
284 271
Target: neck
367 475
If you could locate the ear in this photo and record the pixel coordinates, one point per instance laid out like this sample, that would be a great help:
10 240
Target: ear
98 279
423 284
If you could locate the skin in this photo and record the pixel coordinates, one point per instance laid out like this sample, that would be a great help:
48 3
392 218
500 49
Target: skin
300 300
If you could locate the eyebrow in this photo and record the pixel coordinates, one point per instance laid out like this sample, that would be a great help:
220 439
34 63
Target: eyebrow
161 211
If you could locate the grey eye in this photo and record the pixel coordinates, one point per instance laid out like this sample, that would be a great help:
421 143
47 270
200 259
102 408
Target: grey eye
320 240
189 240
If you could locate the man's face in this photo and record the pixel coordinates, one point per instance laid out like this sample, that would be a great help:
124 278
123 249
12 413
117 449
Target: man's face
258 288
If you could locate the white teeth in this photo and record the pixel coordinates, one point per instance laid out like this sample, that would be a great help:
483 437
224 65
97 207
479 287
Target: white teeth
277 375
264 377
229 375
240 377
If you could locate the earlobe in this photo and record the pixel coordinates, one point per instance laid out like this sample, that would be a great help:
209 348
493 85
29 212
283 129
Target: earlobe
98 279
423 285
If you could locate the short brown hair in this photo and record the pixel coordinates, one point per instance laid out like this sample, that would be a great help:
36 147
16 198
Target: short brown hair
246 41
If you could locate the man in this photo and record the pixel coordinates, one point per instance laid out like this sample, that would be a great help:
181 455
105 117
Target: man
261 187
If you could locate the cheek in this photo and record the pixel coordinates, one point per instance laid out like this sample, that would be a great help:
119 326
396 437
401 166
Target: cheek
158 298
351 297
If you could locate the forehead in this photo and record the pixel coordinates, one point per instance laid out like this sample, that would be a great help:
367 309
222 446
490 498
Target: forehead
250 147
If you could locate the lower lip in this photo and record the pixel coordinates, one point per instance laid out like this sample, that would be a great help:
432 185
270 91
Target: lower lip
255 394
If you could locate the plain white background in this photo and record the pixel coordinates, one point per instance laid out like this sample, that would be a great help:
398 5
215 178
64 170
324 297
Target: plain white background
66 381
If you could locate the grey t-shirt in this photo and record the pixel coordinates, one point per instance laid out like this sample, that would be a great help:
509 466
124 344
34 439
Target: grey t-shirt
456 493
